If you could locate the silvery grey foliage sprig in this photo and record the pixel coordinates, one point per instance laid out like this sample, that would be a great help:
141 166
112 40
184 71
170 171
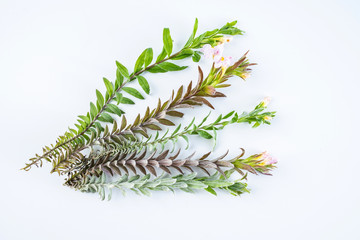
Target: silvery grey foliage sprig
133 153
144 184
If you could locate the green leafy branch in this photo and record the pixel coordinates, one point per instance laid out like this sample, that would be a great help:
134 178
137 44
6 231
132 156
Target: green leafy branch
97 112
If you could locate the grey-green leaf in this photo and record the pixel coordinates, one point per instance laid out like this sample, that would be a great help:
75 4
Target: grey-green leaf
204 134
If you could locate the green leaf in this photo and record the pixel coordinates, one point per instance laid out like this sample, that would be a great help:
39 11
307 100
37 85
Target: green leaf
119 79
211 190
140 62
86 119
168 66
115 109
93 110
188 43
161 56
133 92
196 57
186 140
183 54
204 134
156 69
144 84
148 56
196 184
124 100
168 44
106 118
100 98
109 86
122 69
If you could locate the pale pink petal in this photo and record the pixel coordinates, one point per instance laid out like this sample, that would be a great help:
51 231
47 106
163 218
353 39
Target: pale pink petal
208 51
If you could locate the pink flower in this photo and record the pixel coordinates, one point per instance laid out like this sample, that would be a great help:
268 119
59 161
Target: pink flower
212 52
267 159
223 62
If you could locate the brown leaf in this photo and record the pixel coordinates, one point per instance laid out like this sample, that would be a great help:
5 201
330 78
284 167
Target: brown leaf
153 127
203 100
205 156
151 170
166 122
123 123
142 169
165 169
175 114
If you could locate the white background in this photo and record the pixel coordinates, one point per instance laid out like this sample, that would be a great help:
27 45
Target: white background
53 55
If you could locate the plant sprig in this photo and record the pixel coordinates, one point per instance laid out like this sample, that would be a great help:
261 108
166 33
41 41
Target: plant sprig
99 111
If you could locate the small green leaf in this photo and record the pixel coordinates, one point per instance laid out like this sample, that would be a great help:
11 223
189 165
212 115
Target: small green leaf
188 43
148 56
196 57
86 119
93 110
124 100
106 118
100 98
133 92
144 84
183 54
168 44
168 66
161 56
115 109
119 79
156 69
204 134
140 62
109 86
211 190
123 70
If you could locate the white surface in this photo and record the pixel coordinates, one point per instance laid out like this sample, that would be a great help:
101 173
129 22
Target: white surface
54 54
